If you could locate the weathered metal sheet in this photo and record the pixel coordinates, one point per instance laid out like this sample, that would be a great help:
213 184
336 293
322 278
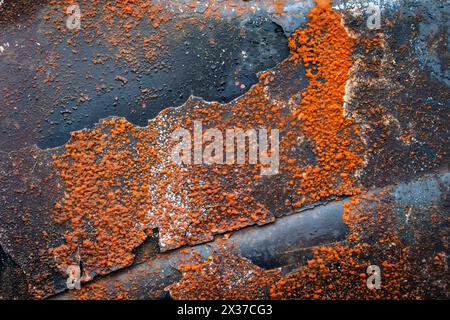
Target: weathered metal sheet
357 109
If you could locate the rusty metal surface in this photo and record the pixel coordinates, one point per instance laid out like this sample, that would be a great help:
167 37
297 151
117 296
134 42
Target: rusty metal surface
284 244
168 71
267 247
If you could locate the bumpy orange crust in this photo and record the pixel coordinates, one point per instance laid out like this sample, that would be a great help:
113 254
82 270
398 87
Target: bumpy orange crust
120 179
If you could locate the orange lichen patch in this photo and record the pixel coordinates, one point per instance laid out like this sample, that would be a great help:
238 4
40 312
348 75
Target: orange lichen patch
133 27
128 26
122 180
223 276
279 6
95 291
339 271
102 289
105 201
335 271
325 48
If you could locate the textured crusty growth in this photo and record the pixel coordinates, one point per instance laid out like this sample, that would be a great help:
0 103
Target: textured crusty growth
121 181
223 276
337 271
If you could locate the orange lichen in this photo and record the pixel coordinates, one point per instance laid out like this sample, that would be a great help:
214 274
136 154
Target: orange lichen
223 276
338 271
335 271
120 23
325 50
129 26
104 199
121 180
